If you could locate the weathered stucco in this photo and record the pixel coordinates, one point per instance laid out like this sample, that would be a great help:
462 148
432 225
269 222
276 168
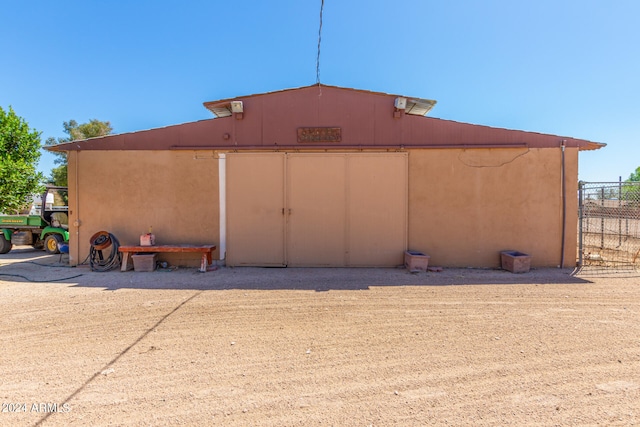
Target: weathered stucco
465 206
127 192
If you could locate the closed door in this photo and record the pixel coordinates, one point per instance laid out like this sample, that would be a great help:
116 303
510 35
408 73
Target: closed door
316 210
316 197
255 203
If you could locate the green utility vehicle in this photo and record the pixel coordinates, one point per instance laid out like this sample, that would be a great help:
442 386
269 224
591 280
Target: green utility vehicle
45 225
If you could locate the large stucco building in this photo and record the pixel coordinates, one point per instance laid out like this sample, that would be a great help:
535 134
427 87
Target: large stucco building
329 176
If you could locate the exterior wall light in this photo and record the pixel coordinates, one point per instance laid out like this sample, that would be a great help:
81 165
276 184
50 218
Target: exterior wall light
237 109
400 104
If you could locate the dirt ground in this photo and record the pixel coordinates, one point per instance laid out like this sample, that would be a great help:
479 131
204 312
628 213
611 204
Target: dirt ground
301 347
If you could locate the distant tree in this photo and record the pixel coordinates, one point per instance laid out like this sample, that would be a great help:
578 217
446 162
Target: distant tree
635 176
19 155
59 176
631 188
74 132
607 193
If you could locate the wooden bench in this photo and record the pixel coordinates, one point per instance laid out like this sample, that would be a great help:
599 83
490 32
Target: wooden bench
206 250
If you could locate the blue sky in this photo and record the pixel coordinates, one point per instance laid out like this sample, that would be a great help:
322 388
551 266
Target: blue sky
564 67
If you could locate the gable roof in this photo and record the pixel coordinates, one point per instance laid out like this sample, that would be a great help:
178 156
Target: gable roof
414 106
334 117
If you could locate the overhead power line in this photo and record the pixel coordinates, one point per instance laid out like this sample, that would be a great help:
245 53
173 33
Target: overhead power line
319 41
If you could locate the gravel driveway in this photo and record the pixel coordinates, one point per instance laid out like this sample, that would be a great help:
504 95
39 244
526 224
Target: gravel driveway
348 347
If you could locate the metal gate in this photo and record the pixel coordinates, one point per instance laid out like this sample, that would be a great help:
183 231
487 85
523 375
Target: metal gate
609 225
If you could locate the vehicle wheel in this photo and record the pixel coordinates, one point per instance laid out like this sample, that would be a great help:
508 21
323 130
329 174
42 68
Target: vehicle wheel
51 243
5 245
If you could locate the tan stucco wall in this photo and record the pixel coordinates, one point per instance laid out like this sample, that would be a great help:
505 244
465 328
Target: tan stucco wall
126 192
465 206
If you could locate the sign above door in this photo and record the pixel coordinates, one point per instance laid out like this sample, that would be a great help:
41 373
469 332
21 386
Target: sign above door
319 134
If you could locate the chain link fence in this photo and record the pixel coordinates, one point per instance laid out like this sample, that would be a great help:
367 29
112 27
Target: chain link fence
609 226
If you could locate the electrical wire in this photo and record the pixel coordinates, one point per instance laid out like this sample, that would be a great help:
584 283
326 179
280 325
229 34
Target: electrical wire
86 260
47 265
319 41
499 165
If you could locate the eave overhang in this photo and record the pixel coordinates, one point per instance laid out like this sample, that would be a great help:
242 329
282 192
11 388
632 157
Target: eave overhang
364 120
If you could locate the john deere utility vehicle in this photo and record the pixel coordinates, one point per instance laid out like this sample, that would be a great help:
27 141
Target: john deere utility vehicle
45 225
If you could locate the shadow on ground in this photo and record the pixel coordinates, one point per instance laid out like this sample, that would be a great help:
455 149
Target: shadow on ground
36 266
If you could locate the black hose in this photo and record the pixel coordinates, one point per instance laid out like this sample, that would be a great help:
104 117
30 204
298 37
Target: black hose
98 262
40 281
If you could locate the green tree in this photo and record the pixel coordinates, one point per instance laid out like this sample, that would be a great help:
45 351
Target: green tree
631 188
94 128
19 155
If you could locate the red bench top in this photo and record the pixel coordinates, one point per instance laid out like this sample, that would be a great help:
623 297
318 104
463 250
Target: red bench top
168 248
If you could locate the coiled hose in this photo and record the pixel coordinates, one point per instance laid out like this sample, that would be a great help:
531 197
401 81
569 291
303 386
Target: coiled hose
100 241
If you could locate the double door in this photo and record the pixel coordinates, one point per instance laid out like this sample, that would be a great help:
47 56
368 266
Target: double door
316 209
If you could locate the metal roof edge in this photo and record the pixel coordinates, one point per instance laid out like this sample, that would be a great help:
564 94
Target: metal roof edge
587 145
591 146
57 147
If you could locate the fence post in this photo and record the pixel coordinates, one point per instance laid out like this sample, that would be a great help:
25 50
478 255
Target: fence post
619 211
580 219
602 220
